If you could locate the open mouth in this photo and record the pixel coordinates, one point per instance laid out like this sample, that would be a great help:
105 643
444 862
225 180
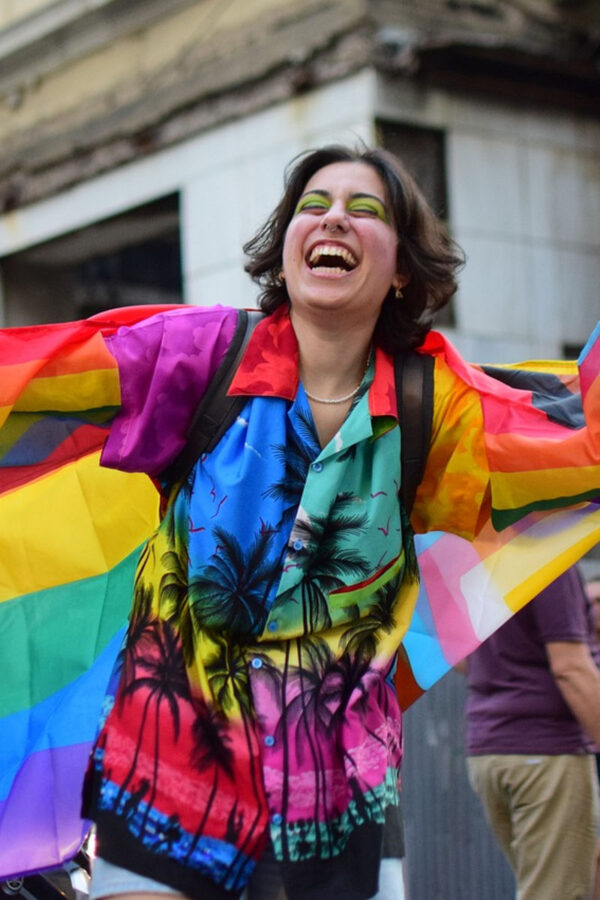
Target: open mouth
332 259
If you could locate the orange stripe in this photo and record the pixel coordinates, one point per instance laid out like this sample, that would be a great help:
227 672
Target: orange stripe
518 453
89 354
75 359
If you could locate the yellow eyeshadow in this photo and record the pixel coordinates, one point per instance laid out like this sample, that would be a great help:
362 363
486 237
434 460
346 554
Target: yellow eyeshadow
368 205
312 201
361 204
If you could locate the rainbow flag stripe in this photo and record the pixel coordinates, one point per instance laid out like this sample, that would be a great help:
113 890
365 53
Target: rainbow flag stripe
65 583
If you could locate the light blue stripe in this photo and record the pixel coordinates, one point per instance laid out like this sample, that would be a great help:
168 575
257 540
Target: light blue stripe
424 653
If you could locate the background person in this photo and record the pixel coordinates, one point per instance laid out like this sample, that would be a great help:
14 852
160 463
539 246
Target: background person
533 725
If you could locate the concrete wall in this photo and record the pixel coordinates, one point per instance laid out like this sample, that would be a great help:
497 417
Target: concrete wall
525 193
229 179
524 202
12 11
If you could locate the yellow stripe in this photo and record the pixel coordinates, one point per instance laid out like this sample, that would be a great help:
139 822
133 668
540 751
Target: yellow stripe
551 366
77 522
511 490
529 561
69 393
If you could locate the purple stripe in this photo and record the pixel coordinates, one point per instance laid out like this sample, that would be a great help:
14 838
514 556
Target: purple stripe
40 824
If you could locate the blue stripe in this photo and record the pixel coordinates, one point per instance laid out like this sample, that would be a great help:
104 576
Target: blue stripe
70 716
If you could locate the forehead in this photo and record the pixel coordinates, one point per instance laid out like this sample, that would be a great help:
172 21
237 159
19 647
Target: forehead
347 178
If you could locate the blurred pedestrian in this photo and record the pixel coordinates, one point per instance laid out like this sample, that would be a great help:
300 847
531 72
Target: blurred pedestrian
533 725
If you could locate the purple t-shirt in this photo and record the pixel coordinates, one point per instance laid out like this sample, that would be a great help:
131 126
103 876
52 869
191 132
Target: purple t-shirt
513 702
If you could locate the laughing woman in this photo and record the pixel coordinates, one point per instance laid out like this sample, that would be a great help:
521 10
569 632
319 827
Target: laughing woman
253 743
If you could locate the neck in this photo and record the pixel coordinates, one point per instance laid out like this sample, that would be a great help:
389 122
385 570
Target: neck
332 361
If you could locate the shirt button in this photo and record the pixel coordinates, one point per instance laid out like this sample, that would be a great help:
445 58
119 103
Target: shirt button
269 741
298 545
272 626
277 819
256 663
317 467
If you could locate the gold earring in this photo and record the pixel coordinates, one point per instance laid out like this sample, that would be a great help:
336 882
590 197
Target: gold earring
281 276
398 293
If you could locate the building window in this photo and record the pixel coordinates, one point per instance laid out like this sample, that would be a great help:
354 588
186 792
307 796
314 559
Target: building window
127 260
423 152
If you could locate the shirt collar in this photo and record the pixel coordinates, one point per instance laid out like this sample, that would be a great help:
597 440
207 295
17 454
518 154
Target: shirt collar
269 367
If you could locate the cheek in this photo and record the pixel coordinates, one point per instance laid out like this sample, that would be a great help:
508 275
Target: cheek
385 252
292 244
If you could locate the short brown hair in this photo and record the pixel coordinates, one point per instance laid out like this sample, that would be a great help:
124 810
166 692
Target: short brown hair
426 252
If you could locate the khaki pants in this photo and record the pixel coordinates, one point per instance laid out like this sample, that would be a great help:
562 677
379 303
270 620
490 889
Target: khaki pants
543 811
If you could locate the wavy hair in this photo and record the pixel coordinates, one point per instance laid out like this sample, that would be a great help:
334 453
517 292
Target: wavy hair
426 254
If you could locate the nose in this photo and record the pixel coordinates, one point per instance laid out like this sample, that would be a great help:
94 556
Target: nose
335 218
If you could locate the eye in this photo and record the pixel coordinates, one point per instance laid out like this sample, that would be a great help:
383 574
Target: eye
312 203
367 206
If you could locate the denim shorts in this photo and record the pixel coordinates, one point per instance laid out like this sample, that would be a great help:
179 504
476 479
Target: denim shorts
108 879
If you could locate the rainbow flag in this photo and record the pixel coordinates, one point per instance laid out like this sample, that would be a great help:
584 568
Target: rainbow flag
65 583
542 438
71 531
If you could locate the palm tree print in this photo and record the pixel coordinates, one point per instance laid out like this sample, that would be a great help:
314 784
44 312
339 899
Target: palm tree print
296 457
361 637
212 750
326 564
227 672
166 682
141 626
230 595
308 718
173 595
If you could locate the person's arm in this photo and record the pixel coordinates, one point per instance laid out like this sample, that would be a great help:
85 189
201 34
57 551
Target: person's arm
578 680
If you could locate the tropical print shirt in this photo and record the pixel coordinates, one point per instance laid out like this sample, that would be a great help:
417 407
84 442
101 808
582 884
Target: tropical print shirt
254 698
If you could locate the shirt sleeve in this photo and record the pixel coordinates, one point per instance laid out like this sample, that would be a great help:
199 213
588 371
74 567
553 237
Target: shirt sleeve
455 486
560 610
165 365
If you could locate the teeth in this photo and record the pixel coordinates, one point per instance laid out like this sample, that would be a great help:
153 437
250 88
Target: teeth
331 250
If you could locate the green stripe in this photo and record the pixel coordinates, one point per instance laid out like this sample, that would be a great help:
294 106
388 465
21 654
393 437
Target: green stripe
502 518
50 637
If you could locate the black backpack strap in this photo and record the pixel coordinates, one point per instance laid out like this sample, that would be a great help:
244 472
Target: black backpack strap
216 411
414 394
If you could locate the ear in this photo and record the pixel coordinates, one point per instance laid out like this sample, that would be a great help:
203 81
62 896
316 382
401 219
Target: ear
399 281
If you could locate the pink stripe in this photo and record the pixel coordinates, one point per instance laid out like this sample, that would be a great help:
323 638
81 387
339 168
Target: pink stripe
442 566
590 366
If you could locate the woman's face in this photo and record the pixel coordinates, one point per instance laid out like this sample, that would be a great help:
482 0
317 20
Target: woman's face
339 251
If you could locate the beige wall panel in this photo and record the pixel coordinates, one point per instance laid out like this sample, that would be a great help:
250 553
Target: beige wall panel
13 10
147 61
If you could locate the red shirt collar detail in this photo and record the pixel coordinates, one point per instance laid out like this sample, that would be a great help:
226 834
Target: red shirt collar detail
382 393
270 367
270 364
